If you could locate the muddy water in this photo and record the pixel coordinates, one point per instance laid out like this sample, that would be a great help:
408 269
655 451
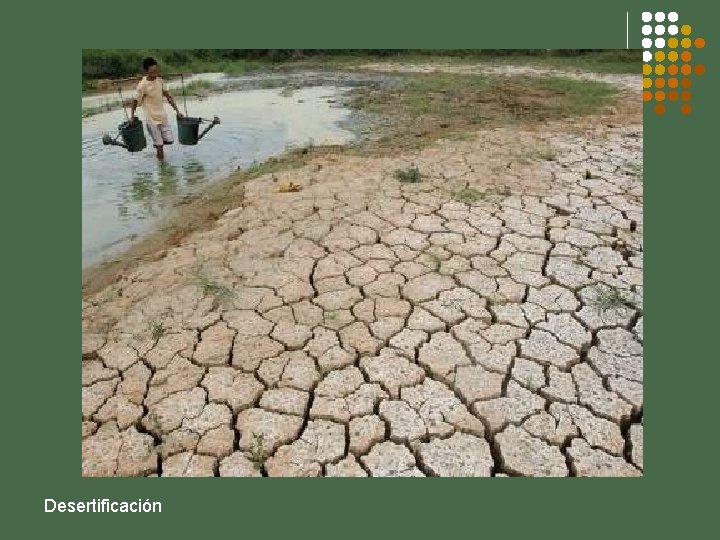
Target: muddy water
125 194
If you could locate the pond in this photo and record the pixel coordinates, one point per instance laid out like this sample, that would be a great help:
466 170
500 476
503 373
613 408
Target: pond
126 194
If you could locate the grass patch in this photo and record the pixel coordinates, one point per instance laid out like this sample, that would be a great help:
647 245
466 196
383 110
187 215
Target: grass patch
411 175
156 329
607 298
209 287
426 107
258 454
468 195
610 61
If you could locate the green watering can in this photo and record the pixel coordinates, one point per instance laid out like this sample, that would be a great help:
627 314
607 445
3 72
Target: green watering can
188 126
132 135
189 129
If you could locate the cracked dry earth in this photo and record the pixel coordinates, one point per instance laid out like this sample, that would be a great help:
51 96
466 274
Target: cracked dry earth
373 328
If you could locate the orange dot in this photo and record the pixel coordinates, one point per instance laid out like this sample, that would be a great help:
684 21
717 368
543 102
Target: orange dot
686 69
686 56
686 96
686 43
647 82
672 95
647 69
672 42
685 29
673 55
660 108
647 95
699 43
673 83
686 108
672 69
660 95
686 83
659 83
699 69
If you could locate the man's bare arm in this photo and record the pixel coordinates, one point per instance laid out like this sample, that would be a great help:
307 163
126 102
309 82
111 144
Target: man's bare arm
171 101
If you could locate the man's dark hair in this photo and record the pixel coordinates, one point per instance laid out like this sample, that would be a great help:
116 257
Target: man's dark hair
149 61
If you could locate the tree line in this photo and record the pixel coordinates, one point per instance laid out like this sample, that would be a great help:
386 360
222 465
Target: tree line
114 63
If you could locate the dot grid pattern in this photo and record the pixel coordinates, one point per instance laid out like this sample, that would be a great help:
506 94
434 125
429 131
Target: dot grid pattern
668 66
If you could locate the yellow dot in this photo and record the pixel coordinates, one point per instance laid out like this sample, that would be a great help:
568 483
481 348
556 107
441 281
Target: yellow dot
673 56
672 42
685 29
647 83
659 56
647 69
659 69
686 43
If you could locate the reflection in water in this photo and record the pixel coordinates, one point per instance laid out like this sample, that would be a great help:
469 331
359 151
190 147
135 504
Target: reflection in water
152 189
125 194
194 172
168 179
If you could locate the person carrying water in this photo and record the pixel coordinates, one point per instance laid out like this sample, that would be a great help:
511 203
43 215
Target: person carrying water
150 92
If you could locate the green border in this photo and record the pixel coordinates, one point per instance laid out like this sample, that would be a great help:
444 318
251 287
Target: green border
41 270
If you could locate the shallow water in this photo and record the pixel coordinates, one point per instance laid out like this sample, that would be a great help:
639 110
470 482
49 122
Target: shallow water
125 194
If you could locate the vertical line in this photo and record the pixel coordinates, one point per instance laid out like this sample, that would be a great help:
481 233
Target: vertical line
627 29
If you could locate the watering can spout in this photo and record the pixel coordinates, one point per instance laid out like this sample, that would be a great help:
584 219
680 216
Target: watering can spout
108 140
215 121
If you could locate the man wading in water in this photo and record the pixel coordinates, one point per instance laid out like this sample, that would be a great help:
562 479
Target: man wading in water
150 92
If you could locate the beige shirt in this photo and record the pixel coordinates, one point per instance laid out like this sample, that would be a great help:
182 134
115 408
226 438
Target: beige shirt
150 96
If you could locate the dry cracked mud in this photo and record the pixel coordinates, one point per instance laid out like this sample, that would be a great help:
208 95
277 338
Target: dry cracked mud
366 327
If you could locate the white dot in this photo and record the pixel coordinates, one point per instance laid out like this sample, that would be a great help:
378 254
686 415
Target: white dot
659 16
672 16
659 29
672 29
647 43
646 29
647 56
646 16
659 43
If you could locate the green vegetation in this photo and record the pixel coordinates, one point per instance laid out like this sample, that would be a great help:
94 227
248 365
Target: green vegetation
607 298
601 61
468 195
411 175
258 454
156 329
220 292
430 106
